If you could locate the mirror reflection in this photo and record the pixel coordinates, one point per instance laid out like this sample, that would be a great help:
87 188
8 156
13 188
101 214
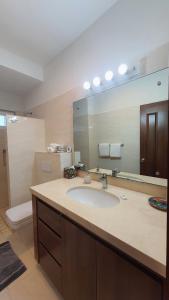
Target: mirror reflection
124 130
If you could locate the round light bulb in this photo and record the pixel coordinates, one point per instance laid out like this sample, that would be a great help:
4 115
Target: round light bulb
96 81
86 85
122 70
109 75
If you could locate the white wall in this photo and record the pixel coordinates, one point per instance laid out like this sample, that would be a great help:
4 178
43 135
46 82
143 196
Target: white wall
126 33
11 102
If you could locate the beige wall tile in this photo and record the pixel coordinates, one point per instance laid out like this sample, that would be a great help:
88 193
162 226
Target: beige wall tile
24 138
58 115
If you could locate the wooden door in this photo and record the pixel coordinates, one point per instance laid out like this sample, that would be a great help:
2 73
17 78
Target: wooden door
3 170
79 267
154 139
118 279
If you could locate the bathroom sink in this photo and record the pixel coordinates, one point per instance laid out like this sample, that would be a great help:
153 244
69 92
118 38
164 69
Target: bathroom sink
93 197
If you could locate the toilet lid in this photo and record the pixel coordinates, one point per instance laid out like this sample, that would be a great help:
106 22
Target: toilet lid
20 212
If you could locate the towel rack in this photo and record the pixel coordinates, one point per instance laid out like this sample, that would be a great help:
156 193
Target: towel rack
122 145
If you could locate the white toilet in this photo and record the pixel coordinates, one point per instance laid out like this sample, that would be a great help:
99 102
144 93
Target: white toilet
19 216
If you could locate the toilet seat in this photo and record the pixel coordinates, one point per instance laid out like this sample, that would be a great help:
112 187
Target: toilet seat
19 215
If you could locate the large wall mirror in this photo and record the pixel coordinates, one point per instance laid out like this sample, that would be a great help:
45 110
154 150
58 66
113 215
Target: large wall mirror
124 130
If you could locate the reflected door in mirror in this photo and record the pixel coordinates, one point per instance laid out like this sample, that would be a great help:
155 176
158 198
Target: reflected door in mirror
154 139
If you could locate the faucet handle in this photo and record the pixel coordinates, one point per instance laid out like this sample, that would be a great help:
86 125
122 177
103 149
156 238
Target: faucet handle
103 176
115 172
104 180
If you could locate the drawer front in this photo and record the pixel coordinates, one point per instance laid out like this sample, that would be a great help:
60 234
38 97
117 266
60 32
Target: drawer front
50 240
50 266
50 217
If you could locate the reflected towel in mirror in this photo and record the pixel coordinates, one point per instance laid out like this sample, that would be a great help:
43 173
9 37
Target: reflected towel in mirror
115 150
104 150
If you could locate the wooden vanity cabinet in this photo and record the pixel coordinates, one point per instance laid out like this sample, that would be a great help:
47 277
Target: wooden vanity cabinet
79 266
82 267
119 279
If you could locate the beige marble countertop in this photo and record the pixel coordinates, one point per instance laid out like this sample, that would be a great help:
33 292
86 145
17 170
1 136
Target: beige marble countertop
132 226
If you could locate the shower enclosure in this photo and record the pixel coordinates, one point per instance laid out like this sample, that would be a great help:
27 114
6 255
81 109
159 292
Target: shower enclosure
25 137
4 203
20 138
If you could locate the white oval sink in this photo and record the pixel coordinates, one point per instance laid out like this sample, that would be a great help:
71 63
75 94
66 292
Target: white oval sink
93 197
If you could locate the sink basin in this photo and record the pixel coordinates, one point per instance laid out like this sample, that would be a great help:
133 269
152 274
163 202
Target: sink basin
93 197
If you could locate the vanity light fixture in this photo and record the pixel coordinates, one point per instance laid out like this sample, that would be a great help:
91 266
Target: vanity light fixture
109 75
122 69
96 81
87 85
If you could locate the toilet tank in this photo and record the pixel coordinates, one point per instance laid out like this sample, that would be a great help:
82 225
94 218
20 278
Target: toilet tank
50 166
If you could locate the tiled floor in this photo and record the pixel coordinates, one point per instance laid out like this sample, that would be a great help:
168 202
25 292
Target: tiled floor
33 284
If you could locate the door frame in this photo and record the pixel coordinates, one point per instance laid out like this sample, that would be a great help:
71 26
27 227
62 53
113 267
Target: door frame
166 285
150 105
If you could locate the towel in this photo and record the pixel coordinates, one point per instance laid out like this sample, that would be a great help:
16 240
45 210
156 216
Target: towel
115 150
104 150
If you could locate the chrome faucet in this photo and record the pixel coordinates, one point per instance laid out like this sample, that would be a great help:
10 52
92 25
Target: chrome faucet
115 172
103 179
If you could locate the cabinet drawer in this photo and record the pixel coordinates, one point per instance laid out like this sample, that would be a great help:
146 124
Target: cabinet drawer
50 217
50 266
50 240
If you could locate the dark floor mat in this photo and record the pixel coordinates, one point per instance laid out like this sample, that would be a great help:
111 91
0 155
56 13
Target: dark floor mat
11 266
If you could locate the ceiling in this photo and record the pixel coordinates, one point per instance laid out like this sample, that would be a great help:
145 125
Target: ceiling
39 29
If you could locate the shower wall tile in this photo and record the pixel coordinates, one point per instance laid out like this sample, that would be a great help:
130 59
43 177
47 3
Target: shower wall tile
24 138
